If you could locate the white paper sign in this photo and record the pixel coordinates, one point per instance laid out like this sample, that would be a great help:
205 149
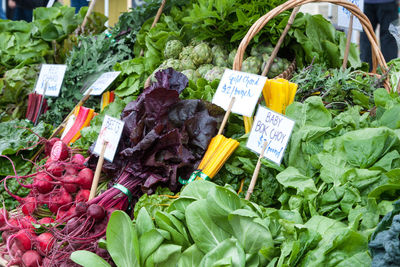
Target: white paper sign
102 82
110 132
271 127
245 87
53 75
344 16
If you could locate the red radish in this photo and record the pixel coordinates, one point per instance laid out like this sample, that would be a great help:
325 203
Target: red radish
81 208
78 159
96 212
82 196
55 168
43 199
85 178
61 199
49 145
69 183
23 239
60 214
31 259
71 170
5 235
42 183
26 222
15 251
73 224
71 188
59 151
14 222
46 220
64 214
48 161
45 242
29 205
3 217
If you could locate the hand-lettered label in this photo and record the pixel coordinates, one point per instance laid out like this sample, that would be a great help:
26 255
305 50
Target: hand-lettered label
273 128
102 83
244 87
50 79
110 132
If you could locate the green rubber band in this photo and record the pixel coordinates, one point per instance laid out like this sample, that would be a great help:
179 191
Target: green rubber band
124 190
193 176
203 176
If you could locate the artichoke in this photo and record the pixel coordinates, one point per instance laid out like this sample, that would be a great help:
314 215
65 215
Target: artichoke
192 74
186 52
171 63
214 73
220 57
259 50
218 50
251 65
201 54
275 70
265 58
220 61
203 69
231 57
172 49
187 63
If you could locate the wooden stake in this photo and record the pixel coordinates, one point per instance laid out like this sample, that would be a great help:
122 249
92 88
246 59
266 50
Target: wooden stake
348 42
255 173
227 113
96 177
280 41
90 10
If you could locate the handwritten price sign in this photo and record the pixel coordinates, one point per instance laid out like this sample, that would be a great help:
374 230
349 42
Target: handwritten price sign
110 132
103 82
53 76
245 87
271 127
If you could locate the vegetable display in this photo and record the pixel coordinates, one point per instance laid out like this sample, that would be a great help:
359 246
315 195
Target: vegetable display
333 200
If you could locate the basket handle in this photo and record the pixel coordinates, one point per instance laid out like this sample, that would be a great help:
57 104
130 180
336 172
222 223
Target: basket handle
377 57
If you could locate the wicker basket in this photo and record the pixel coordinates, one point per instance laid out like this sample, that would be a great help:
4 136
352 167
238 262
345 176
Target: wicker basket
377 57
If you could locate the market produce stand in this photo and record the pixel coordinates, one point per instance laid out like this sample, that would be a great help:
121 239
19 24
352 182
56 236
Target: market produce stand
158 175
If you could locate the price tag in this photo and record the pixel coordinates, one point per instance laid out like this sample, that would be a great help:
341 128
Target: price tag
110 132
344 16
271 127
245 87
103 82
53 75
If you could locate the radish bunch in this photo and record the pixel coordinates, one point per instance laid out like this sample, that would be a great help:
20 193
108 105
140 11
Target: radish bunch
57 185
23 245
59 190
